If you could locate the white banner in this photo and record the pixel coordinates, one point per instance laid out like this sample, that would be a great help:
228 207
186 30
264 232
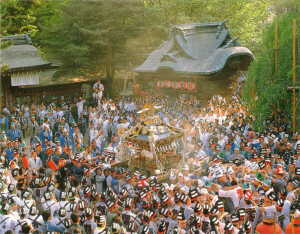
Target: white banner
25 78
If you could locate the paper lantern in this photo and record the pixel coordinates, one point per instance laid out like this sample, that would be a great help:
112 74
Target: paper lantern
191 86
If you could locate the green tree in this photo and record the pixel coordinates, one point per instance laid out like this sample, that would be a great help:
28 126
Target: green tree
17 17
240 16
265 91
27 17
88 35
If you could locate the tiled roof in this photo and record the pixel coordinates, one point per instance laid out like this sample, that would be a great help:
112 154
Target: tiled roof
196 49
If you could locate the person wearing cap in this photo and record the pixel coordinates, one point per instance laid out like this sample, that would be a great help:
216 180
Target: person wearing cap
28 200
35 163
129 185
152 221
127 215
99 178
50 203
89 225
3 139
62 200
76 224
13 133
34 217
114 182
67 152
45 133
64 125
182 223
9 152
27 228
230 195
4 123
268 225
33 128
101 224
117 227
57 156
7 220
79 106
113 211
72 204
19 228
294 226
77 136
65 138
247 200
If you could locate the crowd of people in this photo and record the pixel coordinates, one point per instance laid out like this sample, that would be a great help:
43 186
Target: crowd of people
58 170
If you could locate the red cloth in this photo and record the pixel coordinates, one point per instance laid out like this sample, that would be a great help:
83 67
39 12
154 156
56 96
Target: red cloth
25 162
248 195
52 165
239 192
263 228
142 183
291 229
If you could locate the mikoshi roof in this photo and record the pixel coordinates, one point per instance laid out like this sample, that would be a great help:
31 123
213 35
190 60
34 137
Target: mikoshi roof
159 132
152 129
21 54
200 48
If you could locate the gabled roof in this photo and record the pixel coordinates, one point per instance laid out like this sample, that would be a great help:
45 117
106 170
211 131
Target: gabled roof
21 39
200 48
21 54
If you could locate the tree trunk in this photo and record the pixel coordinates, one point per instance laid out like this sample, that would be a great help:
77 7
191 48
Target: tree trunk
110 72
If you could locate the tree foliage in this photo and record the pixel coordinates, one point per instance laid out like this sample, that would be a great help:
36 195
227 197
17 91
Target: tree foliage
265 91
103 35
27 17
90 34
243 21
17 17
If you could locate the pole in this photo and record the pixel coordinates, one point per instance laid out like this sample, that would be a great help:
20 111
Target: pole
276 60
294 63
276 48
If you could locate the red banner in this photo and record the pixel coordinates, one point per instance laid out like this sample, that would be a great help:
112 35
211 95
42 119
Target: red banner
183 85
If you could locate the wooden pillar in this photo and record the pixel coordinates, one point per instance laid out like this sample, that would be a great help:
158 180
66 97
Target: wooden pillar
1 93
7 92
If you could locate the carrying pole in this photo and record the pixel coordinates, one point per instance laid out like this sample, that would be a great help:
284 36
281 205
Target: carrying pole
294 73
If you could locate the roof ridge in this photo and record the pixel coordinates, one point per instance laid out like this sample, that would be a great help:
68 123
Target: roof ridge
21 39
194 25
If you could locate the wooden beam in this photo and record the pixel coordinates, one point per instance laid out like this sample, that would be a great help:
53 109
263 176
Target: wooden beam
293 87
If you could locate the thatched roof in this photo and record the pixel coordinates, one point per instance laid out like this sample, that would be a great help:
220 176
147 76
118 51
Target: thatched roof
202 49
21 55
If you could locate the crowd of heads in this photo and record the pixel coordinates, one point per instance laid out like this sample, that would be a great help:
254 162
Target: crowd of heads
59 170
